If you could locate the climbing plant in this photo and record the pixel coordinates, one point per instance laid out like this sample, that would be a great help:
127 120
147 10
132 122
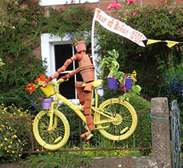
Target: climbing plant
21 24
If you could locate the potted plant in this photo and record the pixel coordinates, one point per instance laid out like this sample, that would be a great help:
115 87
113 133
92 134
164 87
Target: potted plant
128 86
112 65
116 78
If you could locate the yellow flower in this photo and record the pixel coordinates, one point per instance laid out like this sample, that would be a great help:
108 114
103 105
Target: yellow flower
9 146
11 142
5 139
13 152
2 104
134 74
7 151
49 153
37 150
19 110
5 109
15 136
19 155
1 144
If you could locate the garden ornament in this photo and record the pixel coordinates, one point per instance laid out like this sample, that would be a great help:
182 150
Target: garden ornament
86 69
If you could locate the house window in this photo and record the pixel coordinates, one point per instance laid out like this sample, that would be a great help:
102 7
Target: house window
55 51
64 2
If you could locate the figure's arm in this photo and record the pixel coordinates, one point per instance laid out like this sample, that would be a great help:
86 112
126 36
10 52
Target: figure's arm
64 67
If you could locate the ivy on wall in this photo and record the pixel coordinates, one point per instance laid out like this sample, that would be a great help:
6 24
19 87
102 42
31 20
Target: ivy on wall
21 24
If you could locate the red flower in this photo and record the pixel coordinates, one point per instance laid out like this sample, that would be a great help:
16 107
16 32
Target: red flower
37 80
125 85
42 77
122 89
30 87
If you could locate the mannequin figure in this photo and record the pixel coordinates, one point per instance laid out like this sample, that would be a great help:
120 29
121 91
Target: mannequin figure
86 69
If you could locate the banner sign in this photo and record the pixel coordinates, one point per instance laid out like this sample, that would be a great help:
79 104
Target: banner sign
119 27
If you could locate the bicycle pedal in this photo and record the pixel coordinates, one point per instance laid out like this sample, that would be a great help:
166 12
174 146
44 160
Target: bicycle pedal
102 127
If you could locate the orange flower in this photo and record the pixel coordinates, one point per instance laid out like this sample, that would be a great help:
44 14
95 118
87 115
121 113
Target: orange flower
37 80
42 77
30 87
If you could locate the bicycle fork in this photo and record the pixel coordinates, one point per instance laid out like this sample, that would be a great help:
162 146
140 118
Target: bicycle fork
52 125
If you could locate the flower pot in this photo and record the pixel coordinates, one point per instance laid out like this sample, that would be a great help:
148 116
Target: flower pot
46 103
112 83
87 74
80 46
128 84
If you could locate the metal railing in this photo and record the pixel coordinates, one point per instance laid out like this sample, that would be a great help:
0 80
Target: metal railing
135 142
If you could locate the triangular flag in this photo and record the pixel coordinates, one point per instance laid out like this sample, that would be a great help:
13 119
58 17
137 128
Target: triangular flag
171 43
150 41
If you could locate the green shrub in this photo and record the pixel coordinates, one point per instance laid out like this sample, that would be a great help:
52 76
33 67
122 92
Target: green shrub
14 133
59 160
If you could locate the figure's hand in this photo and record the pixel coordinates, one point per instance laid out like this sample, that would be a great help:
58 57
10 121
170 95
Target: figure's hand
48 80
64 77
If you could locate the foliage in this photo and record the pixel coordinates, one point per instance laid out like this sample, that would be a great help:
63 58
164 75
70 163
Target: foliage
14 133
51 159
20 31
155 22
21 25
110 63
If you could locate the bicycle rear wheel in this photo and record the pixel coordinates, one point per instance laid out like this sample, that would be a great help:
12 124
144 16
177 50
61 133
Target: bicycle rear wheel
57 136
123 120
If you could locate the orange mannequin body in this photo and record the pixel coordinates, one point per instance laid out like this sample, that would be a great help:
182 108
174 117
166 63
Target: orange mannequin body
86 69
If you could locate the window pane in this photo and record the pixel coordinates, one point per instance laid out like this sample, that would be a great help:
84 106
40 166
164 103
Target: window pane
67 89
62 53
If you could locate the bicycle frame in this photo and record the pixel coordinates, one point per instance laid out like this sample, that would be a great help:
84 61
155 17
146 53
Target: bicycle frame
76 108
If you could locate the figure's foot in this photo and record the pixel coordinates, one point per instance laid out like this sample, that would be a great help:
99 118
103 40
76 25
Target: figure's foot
87 135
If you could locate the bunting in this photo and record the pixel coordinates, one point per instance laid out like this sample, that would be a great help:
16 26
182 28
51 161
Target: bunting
169 43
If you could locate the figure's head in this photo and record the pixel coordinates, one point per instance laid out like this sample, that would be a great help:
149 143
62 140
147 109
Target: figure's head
80 46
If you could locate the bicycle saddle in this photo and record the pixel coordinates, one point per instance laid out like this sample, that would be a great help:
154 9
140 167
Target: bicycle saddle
95 83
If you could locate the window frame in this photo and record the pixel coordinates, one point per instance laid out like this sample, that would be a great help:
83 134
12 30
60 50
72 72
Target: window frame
64 2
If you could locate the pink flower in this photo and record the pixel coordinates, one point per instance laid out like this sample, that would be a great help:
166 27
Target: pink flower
130 1
127 12
113 5
88 142
134 14
118 5
135 26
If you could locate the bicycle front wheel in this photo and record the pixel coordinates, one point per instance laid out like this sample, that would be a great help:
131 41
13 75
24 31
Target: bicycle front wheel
51 137
118 119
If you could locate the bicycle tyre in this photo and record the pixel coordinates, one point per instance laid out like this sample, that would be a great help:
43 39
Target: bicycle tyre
56 138
126 119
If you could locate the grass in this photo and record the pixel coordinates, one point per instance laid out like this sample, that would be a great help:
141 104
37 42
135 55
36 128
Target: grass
57 159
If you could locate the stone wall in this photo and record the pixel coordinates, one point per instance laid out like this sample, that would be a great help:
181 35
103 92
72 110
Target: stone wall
161 156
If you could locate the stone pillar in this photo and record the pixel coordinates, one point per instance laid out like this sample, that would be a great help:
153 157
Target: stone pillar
160 126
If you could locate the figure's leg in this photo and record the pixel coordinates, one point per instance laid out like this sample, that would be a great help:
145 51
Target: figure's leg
87 106
79 89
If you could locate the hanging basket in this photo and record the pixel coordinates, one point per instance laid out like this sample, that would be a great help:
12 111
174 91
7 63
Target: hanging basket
112 83
48 90
46 103
128 84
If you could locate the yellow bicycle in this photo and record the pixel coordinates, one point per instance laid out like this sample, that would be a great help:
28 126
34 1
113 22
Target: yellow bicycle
114 119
